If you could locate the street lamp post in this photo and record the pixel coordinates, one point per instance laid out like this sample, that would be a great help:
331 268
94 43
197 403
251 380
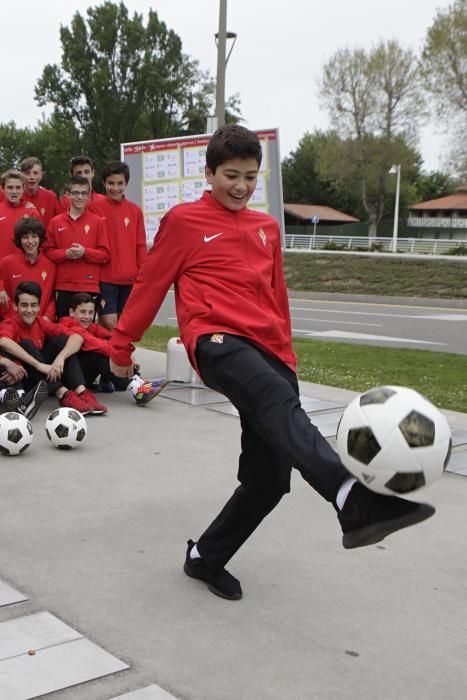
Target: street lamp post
396 170
221 40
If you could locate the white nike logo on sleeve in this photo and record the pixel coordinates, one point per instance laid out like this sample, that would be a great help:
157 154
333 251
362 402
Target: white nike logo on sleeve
210 238
62 228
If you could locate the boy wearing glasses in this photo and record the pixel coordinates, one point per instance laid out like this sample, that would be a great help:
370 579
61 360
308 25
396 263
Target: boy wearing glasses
77 242
81 165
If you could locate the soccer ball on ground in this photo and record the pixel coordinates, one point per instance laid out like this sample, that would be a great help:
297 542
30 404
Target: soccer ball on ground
15 433
66 428
394 440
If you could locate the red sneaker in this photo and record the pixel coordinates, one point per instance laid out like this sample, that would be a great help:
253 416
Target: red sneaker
94 406
72 400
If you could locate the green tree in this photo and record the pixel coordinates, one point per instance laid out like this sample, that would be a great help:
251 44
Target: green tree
53 141
14 145
444 70
339 164
302 181
376 104
123 80
434 185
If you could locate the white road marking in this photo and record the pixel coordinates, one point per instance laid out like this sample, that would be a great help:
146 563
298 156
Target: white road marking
363 336
346 323
437 317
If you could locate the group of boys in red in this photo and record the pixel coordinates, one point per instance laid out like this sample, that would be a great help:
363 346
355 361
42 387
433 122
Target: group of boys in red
85 243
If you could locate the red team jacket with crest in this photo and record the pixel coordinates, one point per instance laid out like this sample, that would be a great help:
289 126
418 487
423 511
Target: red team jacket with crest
127 237
81 274
96 338
40 331
228 276
46 203
17 268
9 215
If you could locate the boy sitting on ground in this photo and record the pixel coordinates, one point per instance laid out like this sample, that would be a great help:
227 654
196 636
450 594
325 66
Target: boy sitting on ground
47 351
94 354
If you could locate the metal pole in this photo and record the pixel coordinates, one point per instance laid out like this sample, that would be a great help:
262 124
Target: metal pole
396 210
220 80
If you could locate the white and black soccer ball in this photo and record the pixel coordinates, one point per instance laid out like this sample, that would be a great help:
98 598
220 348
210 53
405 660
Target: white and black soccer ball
15 433
66 428
394 440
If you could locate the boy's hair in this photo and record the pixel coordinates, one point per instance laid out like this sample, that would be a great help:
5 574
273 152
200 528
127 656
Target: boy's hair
116 167
31 288
232 141
10 175
80 160
25 225
81 298
79 180
28 163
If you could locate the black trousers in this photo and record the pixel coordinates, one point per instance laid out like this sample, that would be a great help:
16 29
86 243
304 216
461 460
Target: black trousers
94 364
72 373
276 436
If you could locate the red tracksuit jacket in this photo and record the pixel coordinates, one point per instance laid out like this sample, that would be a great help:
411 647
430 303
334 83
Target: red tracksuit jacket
81 274
96 338
17 268
127 238
46 203
39 332
9 215
228 275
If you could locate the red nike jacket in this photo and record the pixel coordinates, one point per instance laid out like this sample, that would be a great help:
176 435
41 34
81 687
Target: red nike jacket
228 276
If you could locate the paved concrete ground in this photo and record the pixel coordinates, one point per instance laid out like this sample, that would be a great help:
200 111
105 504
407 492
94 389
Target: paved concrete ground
97 537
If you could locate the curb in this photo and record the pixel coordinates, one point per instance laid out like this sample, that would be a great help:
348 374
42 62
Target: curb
375 299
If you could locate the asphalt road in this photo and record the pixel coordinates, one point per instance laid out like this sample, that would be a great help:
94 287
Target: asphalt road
391 325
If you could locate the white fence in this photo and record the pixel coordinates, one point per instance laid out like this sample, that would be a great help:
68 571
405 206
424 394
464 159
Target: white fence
404 245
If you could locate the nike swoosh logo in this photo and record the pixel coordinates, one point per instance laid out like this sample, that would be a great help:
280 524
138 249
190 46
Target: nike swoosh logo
62 228
210 238
2 217
16 275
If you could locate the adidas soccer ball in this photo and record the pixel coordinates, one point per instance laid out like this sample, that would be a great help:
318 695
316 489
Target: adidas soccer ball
66 428
15 433
394 440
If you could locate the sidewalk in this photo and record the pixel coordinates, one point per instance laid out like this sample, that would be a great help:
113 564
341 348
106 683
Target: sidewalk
97 537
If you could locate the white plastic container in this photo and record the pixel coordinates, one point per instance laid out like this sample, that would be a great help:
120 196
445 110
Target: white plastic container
178 364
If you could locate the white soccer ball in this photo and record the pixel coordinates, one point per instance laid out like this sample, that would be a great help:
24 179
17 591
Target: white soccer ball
15 433
394 440
66 428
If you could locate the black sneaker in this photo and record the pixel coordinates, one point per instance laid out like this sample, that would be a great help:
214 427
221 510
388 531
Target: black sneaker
368 517
10 400
30 402
221 582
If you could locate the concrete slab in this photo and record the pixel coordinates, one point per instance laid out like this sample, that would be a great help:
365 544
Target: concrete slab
40 654
9 595
97 536
152 692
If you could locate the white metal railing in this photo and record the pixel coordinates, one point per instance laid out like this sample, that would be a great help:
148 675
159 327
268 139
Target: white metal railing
437 222
363 243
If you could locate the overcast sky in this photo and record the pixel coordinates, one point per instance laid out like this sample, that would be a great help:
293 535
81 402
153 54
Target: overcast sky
277 59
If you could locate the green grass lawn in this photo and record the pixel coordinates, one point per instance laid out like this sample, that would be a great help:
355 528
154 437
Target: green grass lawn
355 274
441 377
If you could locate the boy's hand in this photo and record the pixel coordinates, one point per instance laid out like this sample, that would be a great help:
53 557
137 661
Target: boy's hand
4 298
12 372
58 366
121 371
47 370
75 251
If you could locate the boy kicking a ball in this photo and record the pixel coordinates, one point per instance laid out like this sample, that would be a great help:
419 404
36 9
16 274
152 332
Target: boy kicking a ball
225 261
